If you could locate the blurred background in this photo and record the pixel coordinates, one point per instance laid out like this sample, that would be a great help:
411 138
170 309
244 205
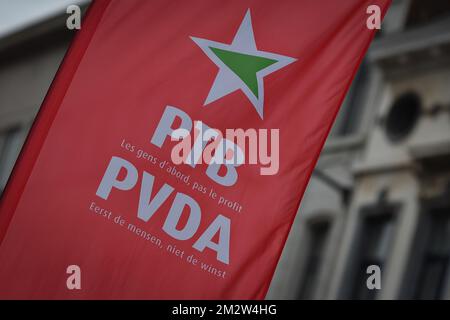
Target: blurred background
380 194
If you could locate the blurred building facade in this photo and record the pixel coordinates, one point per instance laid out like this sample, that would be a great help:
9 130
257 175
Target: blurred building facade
381 191
29 59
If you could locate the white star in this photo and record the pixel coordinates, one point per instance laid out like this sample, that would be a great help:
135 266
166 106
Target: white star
228 81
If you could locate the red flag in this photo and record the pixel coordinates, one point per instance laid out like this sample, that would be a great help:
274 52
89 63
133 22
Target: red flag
97 184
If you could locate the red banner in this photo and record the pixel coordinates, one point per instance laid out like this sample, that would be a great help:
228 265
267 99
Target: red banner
132 171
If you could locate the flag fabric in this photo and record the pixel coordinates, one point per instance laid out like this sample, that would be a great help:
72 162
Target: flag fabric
97 186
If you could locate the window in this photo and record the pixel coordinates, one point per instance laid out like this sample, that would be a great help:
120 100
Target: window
423 12
318 237
352 109
403 116
434 267
374 245
10 144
